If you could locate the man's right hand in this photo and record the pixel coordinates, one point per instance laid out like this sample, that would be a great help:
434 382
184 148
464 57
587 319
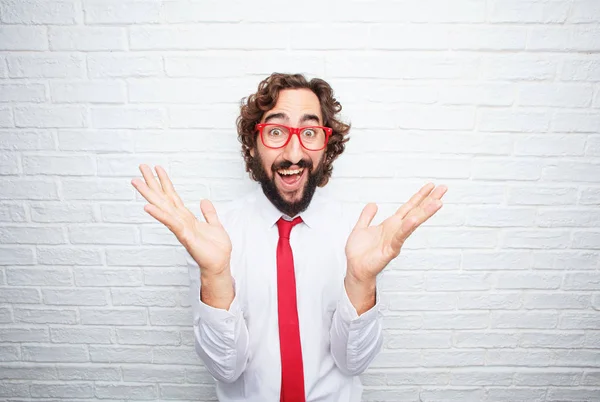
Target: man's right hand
207 242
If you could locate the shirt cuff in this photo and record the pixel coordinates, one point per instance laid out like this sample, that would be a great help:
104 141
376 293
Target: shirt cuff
349 314
216 317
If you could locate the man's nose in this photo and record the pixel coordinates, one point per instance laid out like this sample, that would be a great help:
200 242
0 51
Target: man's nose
293 150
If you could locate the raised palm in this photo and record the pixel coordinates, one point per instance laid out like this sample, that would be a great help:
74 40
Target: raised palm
207 242
370 248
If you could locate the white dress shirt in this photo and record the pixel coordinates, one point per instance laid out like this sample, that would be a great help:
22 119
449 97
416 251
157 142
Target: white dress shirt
240 346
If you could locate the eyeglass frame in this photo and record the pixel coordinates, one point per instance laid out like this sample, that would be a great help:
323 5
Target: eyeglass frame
294 130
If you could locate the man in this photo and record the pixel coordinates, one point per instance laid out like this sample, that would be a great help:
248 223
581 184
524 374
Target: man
284 288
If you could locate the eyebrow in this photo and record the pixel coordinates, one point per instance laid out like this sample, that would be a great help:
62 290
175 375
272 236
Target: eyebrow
283 116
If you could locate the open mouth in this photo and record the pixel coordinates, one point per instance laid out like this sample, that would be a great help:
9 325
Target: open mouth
291 178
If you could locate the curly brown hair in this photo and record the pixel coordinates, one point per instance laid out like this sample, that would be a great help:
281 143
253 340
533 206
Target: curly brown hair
254 107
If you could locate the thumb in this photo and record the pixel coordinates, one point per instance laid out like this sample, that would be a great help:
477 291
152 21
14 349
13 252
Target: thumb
366 216
209 212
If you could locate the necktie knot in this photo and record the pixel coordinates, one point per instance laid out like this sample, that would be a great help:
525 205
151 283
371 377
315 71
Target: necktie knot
285 226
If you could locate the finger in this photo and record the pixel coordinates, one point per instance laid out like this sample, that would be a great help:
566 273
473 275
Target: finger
366 216
167 186
209 212
415 219
150 195
149 178
415 200
166 219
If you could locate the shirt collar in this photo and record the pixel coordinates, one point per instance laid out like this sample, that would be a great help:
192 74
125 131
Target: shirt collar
271 214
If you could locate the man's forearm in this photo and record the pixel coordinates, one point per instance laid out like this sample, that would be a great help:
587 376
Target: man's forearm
361 292
217 290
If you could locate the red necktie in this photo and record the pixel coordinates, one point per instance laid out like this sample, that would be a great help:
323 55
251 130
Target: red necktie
292 371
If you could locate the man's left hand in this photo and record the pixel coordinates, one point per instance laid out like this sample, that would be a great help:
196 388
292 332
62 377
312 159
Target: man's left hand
370 248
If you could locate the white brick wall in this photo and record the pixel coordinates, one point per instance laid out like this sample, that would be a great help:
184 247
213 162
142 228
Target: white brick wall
497 298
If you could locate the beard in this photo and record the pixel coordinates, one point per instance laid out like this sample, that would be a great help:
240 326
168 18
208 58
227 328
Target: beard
269 187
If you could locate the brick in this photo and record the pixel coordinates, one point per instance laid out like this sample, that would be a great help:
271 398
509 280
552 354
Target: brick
524 320
19 295
22 38
417 340
566 260
27 372
568 218
16 256
95 140
177 392
125 213
158 235
378 167
455 321
63 212
89 373
105 391
552 95
536 301
586 240
506 169
535 239
198 376
103 277
309 36
75 297
38 12
28 65
26 140
24 335
549 340
559 38
12 213
69 256
150 256
579 358
489 301
147 337
577 122
97 189
22 93
529 11
141 373
102 234
396 393
589 196
45 316
127 117
80 335
51 354
113 316
581 70
490 260
5 315
520 357
516 393
87 38
6 117
9 164
128 165
541 195
14 389
123 12
513 121
500 217
216 116
88 92
577 320
547 377
418 302
166 277
180 356
493 376
59 165
458 358
50 117
589 378
485 339
117 65
213 36
170 316
551 145
528 280
584 11
442 281
469 238
571 394
80 390
113 354
518 67
144 297
487 37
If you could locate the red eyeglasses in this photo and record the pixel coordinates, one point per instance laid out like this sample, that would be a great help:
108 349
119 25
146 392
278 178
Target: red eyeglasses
312 138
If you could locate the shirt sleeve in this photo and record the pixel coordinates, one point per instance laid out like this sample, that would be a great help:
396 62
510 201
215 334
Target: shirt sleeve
220 336
355 340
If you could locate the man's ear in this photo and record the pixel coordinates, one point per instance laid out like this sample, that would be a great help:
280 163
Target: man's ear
252 152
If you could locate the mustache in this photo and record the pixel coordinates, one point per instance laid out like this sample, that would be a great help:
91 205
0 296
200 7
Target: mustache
302 163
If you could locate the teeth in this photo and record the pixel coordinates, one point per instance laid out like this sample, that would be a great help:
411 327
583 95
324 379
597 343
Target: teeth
288 172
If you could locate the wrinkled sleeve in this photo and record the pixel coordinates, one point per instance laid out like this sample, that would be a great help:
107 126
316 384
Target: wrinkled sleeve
355 340
220 336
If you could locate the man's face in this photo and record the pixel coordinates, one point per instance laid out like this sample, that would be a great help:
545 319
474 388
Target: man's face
290 193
